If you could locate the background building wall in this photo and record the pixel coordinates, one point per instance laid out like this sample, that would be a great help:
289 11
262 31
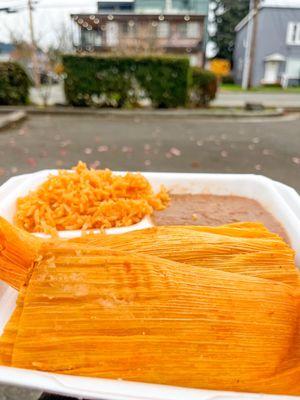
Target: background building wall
271 38
193 6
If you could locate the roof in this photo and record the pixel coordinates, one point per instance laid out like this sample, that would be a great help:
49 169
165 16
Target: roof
269 4
281 3
92 21
275 57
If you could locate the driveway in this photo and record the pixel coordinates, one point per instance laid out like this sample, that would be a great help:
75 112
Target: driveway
267 146
238 99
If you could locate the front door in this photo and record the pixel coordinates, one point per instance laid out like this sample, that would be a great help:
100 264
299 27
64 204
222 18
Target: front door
112 34
271 72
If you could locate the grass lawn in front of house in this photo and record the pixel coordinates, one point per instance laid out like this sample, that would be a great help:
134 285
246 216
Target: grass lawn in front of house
232 87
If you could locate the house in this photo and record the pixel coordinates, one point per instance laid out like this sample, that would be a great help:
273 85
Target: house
6 51
276 58
145 26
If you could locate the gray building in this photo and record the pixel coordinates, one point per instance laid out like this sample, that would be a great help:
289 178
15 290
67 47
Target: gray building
277 44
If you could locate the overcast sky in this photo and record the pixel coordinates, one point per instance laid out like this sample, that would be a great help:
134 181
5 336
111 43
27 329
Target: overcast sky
49 15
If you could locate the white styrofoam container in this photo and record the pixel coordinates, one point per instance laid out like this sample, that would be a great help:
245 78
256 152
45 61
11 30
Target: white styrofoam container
280 200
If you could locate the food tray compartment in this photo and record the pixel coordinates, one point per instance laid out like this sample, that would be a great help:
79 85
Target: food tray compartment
280 200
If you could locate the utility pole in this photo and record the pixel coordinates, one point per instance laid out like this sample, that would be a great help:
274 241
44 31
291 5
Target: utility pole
250 45
168 5
34 59
253 43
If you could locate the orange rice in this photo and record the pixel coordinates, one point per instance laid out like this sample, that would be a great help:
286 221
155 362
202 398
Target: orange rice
88 199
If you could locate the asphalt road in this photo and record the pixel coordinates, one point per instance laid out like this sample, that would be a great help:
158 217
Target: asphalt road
270 147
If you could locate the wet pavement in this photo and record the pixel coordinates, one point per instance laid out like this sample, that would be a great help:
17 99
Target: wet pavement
269 146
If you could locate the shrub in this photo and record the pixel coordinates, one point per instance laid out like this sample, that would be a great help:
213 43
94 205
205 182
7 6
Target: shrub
204 86
228 80
120 81
164 79
14 84
272 85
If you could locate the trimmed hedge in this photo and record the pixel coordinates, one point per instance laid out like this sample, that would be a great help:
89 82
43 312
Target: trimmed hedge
204 86
120 81
14 84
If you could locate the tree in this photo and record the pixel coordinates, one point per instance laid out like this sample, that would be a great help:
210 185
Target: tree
226 15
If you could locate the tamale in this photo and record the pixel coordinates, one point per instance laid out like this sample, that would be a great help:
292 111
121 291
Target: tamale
18 250
142 318
265 254
251 250
100 312
8 338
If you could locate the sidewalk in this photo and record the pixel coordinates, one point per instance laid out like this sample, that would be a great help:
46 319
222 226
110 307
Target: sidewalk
11 117
225 99
181 113
277 100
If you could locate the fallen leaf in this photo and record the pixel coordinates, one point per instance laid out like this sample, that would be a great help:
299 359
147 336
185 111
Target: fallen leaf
22 132
195 164
65 143
266 152
95 164
175 152
44 153
31 161
88 150
102 149
296 160
126 149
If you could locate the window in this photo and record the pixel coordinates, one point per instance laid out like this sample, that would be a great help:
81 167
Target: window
293 68
163 29
128 28
91 38
112 34
190 30
293 34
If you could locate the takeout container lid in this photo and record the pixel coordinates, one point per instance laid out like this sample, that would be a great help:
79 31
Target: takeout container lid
280 200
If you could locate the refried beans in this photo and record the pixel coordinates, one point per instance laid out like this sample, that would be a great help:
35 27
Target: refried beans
213 210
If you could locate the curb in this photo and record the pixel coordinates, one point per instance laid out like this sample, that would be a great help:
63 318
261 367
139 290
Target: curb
174 113
12 118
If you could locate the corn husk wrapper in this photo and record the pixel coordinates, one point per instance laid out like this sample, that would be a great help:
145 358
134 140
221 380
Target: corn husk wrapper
101 312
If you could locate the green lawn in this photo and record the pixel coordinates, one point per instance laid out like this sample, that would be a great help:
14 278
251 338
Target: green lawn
231 87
